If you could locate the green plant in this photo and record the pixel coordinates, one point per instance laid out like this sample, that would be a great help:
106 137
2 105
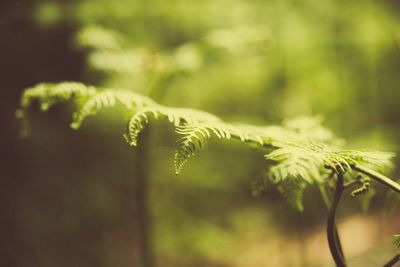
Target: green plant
304 152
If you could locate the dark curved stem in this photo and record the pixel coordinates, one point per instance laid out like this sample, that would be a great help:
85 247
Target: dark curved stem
339 244
333 238
328 204
393 260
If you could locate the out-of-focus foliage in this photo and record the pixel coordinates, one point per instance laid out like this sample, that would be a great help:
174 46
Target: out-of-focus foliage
263 48
396 241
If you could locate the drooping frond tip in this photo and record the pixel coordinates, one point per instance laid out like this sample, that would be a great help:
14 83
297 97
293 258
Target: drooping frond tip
136 124
195 136
48 94
89 100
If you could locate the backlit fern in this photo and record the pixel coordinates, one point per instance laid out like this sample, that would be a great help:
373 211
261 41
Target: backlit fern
302 149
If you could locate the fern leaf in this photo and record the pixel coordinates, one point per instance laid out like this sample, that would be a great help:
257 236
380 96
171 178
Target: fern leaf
179 116
49 94
131 100
296 160
194 136
197 134
135 124
302 148
109 98
377 160
307 158
292 190
93 106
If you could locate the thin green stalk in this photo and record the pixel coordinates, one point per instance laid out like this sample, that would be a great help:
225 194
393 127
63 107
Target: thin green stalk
333 239
378 177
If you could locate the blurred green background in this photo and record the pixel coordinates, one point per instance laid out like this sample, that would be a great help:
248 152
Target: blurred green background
79 198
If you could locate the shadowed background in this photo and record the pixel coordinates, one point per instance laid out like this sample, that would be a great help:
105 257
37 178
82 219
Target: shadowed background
79 198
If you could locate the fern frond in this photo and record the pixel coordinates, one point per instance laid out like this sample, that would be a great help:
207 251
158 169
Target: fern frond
302 148
179 116
375 159
292 190
135 124
195 135
92 106
297 159
90 99
110 98
306 159
48 94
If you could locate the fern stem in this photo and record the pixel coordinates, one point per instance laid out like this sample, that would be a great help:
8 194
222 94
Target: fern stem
328 204
393 260
378 177
333 237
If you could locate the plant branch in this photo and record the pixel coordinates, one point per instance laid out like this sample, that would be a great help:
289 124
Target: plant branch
378 177
328 204
393 260
333 238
